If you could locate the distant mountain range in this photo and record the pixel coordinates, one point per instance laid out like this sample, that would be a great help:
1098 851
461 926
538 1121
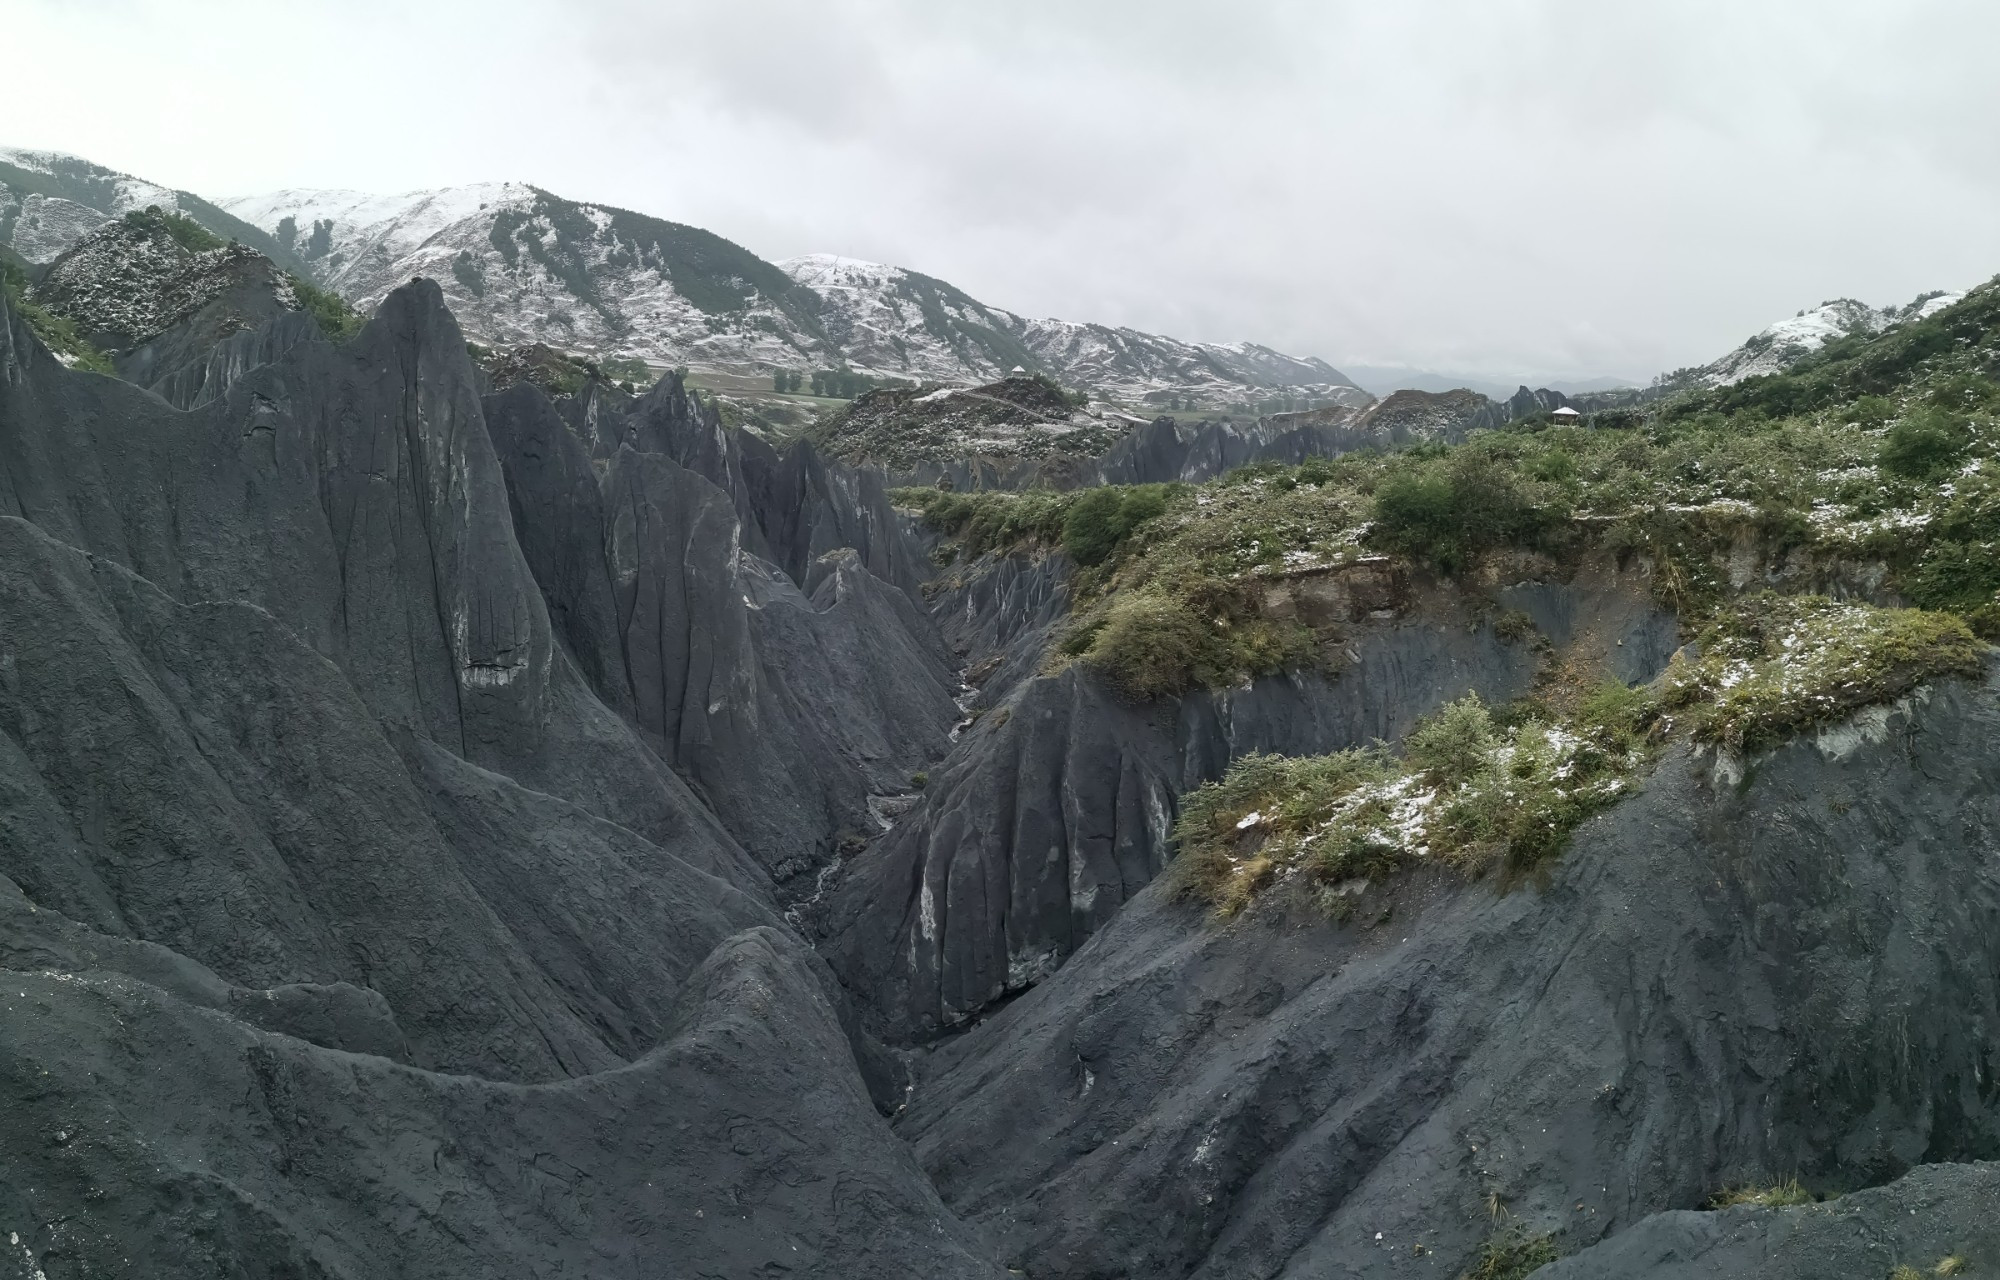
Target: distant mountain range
1383 380
520 265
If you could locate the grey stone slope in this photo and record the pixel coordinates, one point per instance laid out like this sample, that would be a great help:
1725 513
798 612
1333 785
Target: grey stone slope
1933 1213
1057 805
785 710
156 1131
355 495
1718 984
195 776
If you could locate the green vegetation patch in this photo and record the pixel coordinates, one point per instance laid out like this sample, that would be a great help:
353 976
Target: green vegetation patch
1770 666
1777 1195
991 520
1476 788
336 319
1878 451
628 369
1468 790
177 227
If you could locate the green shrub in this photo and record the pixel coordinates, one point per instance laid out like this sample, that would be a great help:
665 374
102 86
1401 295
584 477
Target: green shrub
1871 411
1452 745
1466 792
1926 445
1099 519
1151 646
337 320
1447 512
178 227
991 520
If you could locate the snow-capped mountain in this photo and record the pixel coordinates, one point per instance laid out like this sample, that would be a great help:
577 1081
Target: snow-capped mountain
906 324
1791 340
50 201
522 265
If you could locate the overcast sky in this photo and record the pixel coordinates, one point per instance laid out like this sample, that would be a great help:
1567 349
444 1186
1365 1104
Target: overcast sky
1563 188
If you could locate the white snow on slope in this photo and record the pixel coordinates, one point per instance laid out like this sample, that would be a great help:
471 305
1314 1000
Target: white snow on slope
400 223
48 225
132 193
1784 344
873 312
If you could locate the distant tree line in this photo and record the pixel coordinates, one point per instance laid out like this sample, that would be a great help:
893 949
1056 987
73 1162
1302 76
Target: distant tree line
836 384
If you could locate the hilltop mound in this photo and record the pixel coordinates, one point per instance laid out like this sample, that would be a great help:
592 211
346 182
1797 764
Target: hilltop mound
135 277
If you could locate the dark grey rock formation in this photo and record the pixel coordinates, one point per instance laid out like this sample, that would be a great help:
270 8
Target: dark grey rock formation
1931 1214
347 930
785 709
149 1129
1056 807
1723 982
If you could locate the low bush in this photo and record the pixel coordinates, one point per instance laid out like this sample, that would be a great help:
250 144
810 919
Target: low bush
1099 519
992 520
178 227
1446 512
336 319
1926 445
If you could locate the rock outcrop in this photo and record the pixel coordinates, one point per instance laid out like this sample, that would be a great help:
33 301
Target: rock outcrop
1056 807
1720 984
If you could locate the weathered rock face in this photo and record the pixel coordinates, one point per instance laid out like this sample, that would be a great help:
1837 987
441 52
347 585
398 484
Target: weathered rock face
127 282
161 1124
1056 806
332 895
786 710
1717 985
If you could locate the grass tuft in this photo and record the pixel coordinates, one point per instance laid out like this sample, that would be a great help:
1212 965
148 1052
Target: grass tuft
1775 1196
1511 1255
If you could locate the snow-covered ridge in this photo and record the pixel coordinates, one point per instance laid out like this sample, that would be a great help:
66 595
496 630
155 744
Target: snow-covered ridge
131 193
42 225
1782 345
364 226
520 265
900 323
